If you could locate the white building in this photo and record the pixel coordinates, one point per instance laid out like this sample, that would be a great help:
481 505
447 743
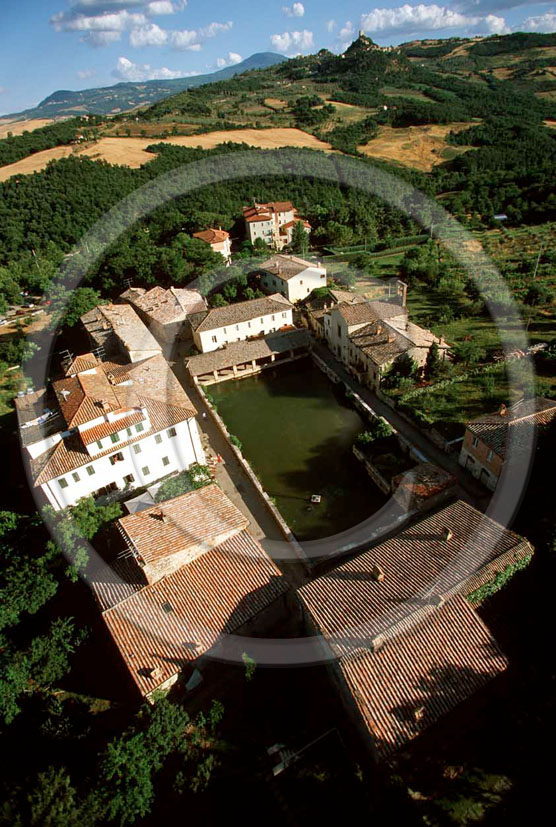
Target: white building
273 223
118 330
236 322
291 276
166 313
219 241
367 337
107 427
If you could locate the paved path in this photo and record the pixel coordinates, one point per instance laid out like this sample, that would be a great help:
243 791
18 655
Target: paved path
467 488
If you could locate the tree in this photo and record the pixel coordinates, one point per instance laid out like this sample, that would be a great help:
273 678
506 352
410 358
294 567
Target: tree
378 429
300 239
68 306
468 353
433 364
52 801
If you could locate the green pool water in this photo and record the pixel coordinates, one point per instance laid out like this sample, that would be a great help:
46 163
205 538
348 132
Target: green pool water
297 430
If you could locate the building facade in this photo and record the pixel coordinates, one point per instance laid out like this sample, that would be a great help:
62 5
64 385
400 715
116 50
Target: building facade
236 322
273 223
486 439
367 337
291 276
219 241
166 312
107 428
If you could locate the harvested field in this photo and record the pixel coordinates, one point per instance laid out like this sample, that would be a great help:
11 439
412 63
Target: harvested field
19 127
276 103
131 152
420 147
36 162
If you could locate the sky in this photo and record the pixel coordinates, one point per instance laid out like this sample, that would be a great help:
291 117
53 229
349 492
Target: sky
46 45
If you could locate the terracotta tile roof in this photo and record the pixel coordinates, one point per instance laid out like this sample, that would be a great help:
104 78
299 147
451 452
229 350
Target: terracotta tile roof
237 353
178 618
265 212
84 362
409 684
492 429
85 396
373 311
122 322
166 306
212 236
285 267
419 564
293 223
380 342
199 517
100 431
113 583
243 312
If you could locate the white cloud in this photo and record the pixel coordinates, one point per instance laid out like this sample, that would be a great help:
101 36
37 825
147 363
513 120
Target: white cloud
100 39
135 72
103 21
150 35
185 40
296 10
331 25
160 7
496 25
292 41
230 60
346 33
83 74
413 18
215 28
109 21
541 23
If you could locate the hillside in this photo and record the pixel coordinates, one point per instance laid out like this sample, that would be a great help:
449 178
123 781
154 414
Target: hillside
123 97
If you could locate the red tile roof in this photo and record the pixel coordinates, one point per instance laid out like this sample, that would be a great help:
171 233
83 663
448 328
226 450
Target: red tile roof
174 621
420 565
212 236
411 682
100 431
492 429
199 517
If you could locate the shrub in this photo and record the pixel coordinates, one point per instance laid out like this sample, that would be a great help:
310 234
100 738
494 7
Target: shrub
235 441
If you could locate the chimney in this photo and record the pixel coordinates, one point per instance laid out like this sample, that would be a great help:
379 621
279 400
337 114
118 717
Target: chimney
377 573
154 672
418 713
502 410
447 534
106 407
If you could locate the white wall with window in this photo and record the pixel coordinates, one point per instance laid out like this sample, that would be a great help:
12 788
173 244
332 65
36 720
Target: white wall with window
208 340
131 466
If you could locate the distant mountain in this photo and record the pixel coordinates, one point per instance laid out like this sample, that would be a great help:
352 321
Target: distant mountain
111 100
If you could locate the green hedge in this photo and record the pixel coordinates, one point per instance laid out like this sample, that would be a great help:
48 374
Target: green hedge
499 580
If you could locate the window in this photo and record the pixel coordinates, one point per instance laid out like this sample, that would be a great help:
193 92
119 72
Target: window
99 443
90 470
301 281
129 479
214 339
145 471
262 321
63 483
139 427
171 432
274 318
248 324
475 441
339 331
165 461
237 327
119 457
129 432
224 329
284 315
114 438
158 439
323 276
75 476
490 456
136 449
